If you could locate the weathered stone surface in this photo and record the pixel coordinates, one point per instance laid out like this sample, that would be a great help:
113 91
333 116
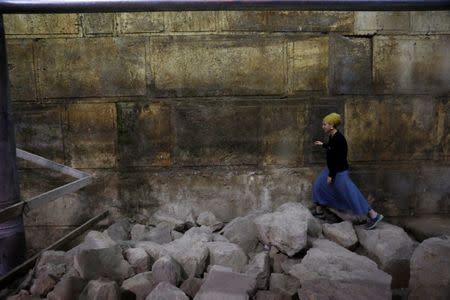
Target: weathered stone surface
430 269
206 135
138 259
191 286
299 21
114 67
50 257
269 295
22 76
283 128
350 65
425 227
68 288
190 21
341 233
101 289
287 227
98 24
165 269
120 230
444 129
243 232
166 291
288 264
144 134
140 22
284 284
309 59
160 234
222 284
97 240
385 22
104 262
41 24
43 284
430 22
153 249
391 246
227 254
432 191
331 262
23 295
140 285
209 66
259 268
177 215
91 136
207 218
277 260
190 254
402 65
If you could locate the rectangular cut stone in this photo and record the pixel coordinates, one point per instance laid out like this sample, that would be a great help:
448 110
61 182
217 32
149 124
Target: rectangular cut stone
370 22
298 21
39 130
350 65
432 190
22 76
190 21
141 22
309 65
362 119
427 22
399 191
408 127
42 24
206 66
283 131
91 135
91 67
144 134
412 65
216 134
98 24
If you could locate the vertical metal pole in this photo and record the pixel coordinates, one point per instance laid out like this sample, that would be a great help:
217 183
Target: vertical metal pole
12 237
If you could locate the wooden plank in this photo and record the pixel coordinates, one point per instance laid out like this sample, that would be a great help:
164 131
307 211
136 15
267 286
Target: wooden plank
19 270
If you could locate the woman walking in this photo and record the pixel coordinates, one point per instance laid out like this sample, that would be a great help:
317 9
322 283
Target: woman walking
333 187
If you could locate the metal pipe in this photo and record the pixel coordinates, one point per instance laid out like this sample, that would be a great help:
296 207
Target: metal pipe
84 6
12 238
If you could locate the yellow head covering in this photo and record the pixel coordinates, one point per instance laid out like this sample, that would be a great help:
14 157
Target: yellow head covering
333 119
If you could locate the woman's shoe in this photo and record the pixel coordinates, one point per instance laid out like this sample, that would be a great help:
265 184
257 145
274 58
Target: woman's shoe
372 223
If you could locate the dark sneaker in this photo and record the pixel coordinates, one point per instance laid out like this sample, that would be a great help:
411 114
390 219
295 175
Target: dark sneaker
372 223
318 214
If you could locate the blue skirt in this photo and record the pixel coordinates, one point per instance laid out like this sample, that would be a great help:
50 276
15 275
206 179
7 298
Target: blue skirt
342 194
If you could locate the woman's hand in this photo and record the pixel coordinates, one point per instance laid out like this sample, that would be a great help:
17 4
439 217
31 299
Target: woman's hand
329 180
318 143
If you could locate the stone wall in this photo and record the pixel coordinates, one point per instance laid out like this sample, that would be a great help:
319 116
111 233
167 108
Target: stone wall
218 110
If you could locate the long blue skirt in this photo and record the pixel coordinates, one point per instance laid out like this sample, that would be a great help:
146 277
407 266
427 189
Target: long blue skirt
342 194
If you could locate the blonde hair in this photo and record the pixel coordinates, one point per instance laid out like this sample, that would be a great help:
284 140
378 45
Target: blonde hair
333 119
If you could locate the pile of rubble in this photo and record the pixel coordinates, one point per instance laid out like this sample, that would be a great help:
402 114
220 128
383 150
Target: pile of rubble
284 254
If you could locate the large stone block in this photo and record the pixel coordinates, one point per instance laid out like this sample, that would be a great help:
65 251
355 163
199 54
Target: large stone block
145 134
98 24
216 65
444 130
91 135
430 22
432 189
190 21
91 67
283 133
386 22
408 128
143 22
308 65
411 64
43 24
22 76
216 135
350 65
299 21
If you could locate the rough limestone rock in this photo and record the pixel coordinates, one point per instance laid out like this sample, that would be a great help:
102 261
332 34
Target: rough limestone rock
391 246
220 238
178 215
175 235
23 295
227 254
160 234
138 259
43 284
50 257
207 218
154 250
288 264
166 269
269 295
222 284
140 285
93 240
191 286
166 291
277 260
243 232
259 268
68 288
105 262
329 261
287 228
101 289
119 231
341 233
430 270
284 284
